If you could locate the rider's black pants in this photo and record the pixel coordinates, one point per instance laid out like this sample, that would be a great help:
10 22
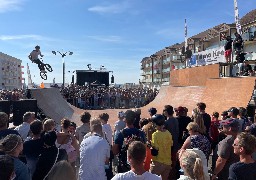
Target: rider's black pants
39 63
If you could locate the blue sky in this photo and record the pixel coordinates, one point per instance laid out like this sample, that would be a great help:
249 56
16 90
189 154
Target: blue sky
113 33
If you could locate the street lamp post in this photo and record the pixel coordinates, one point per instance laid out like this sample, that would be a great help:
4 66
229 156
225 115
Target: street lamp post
63 62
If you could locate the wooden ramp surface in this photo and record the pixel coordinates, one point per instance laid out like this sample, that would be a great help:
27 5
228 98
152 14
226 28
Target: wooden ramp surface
219 94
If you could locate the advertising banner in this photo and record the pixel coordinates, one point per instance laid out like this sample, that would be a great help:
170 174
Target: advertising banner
211 56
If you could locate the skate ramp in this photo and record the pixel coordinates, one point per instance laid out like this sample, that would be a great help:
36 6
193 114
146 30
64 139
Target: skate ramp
219 94
54 105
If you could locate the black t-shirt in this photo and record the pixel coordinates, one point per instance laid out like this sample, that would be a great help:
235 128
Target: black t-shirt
228 45
242 171
183 122
207 122
238 41
33 148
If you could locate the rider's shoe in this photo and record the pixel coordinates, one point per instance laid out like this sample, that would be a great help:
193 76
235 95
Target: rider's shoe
43 71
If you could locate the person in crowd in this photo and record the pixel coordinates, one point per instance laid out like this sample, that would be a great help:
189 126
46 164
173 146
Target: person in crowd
214 134
137 119
206 117
183 121
197 117
24 128
67 141
162 142
228 49
106 128
94 154
224 115
244 121
4 121
7 168
119 124
252 128
197 140
244 146
233 113
247 70
226 155
192 166
50 155
62 170
33 147
148 129
12 145
82 130
172 125
136 155
152 111
72 128
121 140
238 42
49 125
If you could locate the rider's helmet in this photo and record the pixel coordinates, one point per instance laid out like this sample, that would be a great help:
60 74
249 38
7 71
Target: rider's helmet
37 47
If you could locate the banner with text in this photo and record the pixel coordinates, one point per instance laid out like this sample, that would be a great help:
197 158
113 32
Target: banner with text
211 56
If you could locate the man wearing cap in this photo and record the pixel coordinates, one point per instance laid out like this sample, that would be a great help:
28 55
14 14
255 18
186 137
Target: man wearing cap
233 114
172 125
226 155
183 121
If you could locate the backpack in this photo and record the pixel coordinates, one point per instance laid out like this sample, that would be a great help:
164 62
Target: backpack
123 166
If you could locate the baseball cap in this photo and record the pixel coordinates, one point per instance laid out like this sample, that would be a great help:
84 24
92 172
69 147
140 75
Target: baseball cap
158 119
180 109
230 122
152 110
234 110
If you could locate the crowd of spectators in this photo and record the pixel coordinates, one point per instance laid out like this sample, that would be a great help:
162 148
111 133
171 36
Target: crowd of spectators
12 95
164 145
86 97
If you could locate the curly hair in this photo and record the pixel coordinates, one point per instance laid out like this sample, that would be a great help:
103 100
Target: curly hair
85 117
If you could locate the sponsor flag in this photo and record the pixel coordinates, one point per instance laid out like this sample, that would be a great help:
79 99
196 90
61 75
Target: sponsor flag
237 19
186 34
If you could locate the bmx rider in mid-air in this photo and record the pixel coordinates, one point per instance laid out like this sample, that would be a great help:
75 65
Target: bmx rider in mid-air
33 56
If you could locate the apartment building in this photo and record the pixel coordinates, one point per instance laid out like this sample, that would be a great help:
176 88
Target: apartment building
11 72
156 68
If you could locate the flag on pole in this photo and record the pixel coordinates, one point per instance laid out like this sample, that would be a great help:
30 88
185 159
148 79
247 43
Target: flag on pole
186 34
237 19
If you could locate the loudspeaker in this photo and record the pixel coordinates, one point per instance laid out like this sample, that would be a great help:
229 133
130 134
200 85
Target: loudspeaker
5 106
21 107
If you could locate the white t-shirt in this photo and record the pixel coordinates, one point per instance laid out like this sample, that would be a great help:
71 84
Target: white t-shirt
106 129
130 175
119 125
23 130
93 153
34 54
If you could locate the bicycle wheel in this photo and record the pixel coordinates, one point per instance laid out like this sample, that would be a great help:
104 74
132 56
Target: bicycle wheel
43 75
48 67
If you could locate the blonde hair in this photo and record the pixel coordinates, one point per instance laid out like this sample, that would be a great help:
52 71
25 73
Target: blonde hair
61 170
192 165
48 125
198 118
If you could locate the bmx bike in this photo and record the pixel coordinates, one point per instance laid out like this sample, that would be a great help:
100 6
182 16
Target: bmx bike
46 67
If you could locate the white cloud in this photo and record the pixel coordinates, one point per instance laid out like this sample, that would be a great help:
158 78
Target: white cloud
25 37
114 8
115 39
10 5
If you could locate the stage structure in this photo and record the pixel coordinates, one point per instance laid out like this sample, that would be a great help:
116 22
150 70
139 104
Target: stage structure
92 77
